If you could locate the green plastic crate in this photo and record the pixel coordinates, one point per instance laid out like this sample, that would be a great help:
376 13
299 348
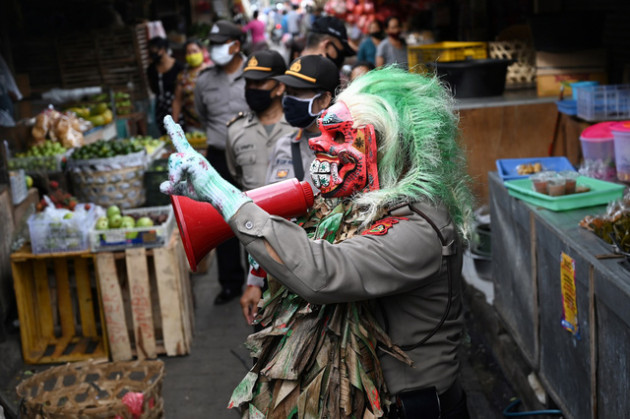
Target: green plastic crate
601 192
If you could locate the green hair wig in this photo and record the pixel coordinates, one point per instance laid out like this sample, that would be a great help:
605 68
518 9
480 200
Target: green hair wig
418 154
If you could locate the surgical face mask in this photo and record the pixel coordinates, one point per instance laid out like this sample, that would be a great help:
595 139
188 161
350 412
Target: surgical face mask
299 112
220 54
258 100
195 59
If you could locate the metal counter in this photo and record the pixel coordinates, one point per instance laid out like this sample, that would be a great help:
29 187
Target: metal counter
509 98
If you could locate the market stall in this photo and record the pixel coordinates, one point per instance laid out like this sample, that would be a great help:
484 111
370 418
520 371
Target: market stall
563 293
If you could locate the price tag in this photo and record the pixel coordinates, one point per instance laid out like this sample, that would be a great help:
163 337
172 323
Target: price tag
113 236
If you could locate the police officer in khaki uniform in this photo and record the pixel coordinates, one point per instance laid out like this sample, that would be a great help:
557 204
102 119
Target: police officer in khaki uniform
311 82
252 135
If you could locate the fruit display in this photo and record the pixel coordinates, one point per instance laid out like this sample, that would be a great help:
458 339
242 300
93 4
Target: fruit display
149 143
98 114
115 220
123 103
59 199
62 127
57 229
119 229
48 156
103 149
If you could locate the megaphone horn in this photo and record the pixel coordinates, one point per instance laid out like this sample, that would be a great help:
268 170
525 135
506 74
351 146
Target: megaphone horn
202 227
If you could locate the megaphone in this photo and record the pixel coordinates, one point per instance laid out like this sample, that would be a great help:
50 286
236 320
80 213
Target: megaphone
202 228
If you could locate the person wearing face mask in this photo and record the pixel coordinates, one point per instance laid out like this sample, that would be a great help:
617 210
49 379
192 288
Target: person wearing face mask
219 96
184 102
393 50
311 82
367 48
328 37
162 75
252 135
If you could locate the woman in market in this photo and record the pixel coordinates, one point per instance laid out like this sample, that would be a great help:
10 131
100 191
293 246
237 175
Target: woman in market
184 101
367 49
162 74
357 321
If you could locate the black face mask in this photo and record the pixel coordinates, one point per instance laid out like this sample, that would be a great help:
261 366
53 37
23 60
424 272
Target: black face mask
297 111
340 56
378 35
155 57
258 100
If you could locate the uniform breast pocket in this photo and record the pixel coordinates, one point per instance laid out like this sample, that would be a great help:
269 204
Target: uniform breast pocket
246 159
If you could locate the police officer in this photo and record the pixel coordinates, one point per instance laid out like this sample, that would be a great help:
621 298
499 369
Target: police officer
311 82
219 95
252 135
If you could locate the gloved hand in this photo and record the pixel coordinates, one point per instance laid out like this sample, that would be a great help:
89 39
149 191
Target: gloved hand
191 175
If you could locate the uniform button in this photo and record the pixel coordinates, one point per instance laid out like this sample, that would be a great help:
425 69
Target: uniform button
249 225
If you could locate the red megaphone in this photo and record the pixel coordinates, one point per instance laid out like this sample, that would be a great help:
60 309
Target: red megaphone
202 227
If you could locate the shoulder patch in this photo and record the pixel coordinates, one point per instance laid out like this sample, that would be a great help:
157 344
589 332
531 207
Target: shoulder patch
236 118
381 227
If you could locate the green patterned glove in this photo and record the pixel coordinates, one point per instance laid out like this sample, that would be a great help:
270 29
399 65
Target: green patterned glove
191 175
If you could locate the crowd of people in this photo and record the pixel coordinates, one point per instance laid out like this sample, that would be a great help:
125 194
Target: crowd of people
268 118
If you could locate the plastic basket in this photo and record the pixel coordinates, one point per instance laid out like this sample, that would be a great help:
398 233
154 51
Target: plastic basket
508 168
125 238
446 51
93 390
60 235
603 103
601 193
522 73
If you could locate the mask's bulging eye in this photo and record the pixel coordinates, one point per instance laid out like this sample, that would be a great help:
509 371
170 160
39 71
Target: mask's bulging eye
339 138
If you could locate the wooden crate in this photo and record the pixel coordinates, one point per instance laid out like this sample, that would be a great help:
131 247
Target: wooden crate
147 301
58 307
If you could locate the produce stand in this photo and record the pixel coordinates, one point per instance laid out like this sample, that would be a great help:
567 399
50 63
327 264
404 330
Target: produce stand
585 373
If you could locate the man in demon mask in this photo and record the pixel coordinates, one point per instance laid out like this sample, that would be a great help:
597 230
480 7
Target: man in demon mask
363 313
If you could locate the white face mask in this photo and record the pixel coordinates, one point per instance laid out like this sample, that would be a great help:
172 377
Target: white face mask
220 53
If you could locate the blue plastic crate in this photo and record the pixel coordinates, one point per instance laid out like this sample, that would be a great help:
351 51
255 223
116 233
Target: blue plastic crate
567 106
507 167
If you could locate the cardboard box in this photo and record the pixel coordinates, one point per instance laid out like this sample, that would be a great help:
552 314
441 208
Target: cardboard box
552 69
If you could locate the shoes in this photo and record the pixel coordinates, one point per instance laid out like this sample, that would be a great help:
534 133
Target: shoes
226 296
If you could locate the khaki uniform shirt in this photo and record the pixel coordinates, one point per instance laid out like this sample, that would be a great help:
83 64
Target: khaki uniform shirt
281 161
404 269
218 97
249 147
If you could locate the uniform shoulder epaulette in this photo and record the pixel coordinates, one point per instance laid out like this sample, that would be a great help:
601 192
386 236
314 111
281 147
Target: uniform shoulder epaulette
236 118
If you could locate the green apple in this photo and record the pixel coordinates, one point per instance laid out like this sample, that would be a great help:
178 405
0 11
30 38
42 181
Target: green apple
67 216
113 210
144 222
115 221
102 223
29 181
129 222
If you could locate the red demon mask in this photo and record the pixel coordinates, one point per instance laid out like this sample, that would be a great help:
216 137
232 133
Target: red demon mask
345 157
